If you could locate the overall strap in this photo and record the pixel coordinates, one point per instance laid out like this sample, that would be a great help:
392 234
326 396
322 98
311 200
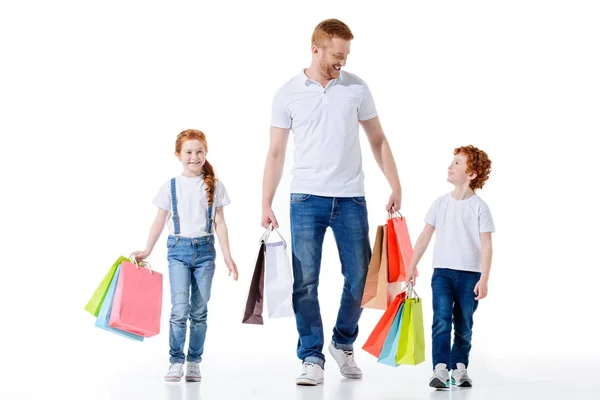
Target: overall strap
174 204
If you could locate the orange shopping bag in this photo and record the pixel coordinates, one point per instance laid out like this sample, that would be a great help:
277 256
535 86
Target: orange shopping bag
400 250
376 339
375 294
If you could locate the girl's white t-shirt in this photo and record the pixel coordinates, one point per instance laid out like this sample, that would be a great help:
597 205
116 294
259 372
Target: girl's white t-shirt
458 224
192 204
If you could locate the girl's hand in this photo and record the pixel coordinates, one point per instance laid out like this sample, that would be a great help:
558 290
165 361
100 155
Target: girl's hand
481 289
140 255
232 268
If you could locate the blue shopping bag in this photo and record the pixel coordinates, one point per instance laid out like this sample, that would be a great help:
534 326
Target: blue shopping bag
105 310
390 346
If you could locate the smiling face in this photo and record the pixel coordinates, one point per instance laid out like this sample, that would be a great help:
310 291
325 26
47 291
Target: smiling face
192 157
331 57
457 171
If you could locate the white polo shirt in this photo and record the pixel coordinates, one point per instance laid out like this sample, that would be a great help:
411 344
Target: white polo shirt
325 124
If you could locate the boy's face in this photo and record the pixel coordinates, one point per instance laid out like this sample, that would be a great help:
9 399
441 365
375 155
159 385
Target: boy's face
457 171
192 156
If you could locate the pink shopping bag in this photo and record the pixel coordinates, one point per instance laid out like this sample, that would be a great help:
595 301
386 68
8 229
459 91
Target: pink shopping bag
137 304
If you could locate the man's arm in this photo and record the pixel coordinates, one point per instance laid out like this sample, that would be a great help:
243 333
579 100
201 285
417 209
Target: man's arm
383 155
273 172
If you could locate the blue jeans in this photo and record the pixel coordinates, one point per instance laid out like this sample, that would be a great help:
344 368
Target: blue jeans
310 217
191 267
453 301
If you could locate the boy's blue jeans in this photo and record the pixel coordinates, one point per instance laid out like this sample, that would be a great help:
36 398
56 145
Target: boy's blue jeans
453 302
191 270
310 217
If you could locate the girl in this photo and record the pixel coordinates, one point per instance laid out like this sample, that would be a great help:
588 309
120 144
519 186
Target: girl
193 205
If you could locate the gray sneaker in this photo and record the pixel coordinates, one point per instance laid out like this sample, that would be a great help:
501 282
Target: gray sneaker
440 380
460 377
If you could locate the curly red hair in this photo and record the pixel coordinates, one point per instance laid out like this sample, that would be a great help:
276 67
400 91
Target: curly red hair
209 173
478 163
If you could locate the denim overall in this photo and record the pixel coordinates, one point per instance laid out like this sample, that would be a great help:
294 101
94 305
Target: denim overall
191 270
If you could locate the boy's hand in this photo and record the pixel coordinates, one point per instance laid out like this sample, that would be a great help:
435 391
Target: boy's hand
232 268
481 289
140 255
410 277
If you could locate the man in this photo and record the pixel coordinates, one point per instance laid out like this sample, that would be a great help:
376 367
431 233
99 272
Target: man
324 106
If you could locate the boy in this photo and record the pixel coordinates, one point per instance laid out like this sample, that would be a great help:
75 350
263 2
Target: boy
462 258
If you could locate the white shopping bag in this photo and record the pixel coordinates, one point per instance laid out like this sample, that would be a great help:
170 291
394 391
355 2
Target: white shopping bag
278 279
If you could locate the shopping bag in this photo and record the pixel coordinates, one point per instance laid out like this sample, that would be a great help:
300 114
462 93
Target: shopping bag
93 306
377 338
390 346
104 315
376 286
137 304
278 280
254 302
400 250
411 346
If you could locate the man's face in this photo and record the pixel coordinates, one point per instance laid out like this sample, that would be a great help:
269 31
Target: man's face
332 57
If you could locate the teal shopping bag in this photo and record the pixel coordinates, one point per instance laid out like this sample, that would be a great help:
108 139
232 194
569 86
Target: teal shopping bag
390 346
106 309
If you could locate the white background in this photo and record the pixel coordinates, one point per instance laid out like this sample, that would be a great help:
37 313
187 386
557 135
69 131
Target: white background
92 96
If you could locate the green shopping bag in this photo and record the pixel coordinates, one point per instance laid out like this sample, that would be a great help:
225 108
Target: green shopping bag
93 306
411 346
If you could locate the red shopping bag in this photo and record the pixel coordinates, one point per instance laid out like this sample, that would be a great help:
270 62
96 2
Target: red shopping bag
137 304
376 339
400 250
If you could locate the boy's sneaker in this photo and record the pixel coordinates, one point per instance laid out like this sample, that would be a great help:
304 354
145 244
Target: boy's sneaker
440 380
346 362
174 373
460 377
312 375
192 373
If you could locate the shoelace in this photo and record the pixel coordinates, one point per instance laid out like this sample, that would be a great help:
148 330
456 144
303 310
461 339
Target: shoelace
306 367
460 373
174 368
193 368
350 362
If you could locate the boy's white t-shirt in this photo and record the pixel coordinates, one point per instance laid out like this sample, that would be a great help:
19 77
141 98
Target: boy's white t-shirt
192 204
458 224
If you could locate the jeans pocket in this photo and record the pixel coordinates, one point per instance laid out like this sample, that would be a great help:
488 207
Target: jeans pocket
360 200
171 243
297 197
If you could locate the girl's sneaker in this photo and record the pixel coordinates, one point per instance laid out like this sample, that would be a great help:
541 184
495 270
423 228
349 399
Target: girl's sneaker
460 377
174 373
192 373
440 380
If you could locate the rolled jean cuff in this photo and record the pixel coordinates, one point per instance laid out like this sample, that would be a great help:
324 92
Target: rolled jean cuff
345 347
315 360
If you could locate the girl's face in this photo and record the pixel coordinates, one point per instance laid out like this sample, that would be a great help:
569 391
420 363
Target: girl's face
192 157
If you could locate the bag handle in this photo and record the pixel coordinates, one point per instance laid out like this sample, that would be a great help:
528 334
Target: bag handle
393 213
410 290
267 234
143 264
